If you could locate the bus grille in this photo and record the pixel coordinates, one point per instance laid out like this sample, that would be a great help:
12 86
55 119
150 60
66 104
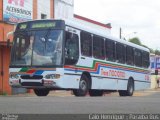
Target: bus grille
31 84
31 77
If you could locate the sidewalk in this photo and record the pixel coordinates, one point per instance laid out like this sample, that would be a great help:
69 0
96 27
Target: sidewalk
146 92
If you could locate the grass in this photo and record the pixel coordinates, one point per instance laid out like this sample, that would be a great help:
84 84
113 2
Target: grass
3 93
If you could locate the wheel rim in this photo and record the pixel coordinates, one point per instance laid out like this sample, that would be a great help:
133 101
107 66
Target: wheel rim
131 89
83 85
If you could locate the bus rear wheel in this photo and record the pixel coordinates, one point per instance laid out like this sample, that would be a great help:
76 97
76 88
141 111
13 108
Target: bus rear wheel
83 87
95 93
130 89
41 92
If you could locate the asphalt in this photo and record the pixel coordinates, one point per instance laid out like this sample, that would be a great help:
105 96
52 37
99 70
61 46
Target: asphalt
64 93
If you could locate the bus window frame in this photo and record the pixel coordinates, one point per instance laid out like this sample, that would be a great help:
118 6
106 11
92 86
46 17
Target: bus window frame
65 32
91 44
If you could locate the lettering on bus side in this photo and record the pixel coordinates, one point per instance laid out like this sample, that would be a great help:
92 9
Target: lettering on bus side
113 73
147 78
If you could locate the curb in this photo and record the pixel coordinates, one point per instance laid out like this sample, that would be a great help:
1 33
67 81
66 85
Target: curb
63 93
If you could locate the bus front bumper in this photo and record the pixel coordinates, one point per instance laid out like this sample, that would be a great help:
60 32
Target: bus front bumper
28 83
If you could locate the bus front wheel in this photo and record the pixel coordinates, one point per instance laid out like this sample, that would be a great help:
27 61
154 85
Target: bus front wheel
83 87
41 92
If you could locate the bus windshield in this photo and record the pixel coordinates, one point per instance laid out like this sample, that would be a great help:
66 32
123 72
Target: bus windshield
37 48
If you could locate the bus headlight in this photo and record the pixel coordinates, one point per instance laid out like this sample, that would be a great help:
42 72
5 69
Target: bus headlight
14 76
52 76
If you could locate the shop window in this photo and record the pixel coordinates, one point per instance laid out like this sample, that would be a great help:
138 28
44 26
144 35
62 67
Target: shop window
43 16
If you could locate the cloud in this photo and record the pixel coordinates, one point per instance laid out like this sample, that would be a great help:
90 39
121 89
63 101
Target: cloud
141 16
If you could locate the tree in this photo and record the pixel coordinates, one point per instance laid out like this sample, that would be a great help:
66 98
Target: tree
151 50
135 40
157 52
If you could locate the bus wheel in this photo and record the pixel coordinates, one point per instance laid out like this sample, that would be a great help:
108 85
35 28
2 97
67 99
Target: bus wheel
41 92
83 87
95 92
129 91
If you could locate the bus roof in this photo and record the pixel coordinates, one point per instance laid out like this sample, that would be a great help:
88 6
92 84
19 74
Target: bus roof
89 29
80 26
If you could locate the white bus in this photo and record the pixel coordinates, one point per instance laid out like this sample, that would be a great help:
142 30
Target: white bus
65 55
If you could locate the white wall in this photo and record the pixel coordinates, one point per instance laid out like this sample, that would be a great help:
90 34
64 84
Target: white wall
63 9
98 27
43 8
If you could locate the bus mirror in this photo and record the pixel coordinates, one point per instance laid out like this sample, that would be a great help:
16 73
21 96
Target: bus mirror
8 43
8 38
156 72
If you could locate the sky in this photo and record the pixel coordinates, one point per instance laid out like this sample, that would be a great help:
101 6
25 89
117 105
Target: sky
137 18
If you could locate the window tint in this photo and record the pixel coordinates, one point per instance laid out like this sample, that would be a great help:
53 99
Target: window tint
110 50
138 57
86 44
129 55
120 53
145 59
98 47
71 48
21 46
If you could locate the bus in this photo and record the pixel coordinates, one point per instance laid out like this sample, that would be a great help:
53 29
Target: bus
66 55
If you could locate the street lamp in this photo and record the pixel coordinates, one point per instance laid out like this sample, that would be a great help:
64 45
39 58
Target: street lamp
121 36
131 34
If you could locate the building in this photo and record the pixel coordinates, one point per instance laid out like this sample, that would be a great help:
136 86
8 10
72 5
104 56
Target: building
155 70
14 11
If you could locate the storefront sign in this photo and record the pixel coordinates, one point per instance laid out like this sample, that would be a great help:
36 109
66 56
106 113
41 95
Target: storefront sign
157 62
15 11
152 62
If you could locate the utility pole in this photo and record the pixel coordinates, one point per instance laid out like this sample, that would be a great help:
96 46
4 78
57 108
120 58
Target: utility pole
120 33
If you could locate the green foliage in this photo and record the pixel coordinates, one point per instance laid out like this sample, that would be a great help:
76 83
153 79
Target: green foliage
3 93
135 40
151 50
157 52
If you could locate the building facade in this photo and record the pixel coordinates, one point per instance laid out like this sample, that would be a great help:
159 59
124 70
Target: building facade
14 11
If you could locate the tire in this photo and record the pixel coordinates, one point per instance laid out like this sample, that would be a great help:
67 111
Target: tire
130 89
95 93
83 87
41 92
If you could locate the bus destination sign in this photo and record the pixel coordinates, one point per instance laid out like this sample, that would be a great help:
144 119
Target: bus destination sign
43 25
40 25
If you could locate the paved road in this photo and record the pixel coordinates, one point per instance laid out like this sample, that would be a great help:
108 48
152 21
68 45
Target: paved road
149 102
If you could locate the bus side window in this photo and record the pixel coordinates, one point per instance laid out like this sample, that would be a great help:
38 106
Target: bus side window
145 59
86 44
120 53
98 47
138 57
110 50
129 55
71 48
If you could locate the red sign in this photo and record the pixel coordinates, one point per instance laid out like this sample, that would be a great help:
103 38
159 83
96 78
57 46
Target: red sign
17 2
